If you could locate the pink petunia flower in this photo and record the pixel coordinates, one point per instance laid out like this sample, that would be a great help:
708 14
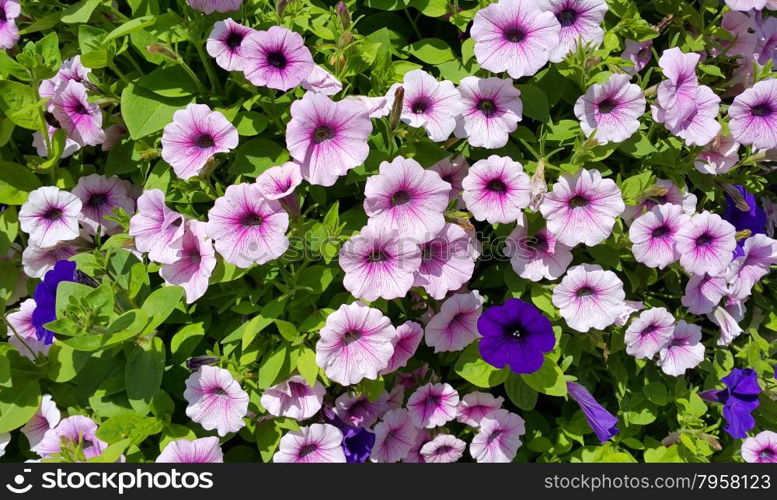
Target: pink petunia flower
744 36
753 115
719 156
443 449
358 411
317 443
70 69
514 36
322 81
589 297
99 197
760 254
194 136
76 430
580 22
46 418
727 323
39 143
629 308
651 331
612 109
405 342
81 119
293 398
327 138
582 208
246 227
50 215
447 262
9 33
706 244
452 170
703 292
276 58
276 183
496 189
432 405
429 104
537 256
157 230
700 126
216 400
37 261
761 449
746 5
684 350
21 334
638 53
492 110
355 343
455 326
407 198
653 235
477 405
379 264
394 437
193 268
226 44
671 195
677 95
211 6
196 451
498 439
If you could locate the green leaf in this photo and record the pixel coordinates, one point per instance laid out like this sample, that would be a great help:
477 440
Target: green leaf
549 379
67 290
519 392
18 405
16 182
160 304
143 373
271 367
112 453
130 26
257 155
267 436
535 103
19 102
185 341
80 12
287 330
171 81
129 425
474 369
145 112
307 366
431 50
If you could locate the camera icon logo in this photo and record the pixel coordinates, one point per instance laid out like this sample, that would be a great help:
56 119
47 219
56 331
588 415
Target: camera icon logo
18 485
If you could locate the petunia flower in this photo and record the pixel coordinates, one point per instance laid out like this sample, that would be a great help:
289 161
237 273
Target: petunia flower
394 437
81 119
751 216
739 399
211 6
746 5
455 326
432 405
452 170
50 215
703 292
226 44
39 143
638 53
443 449
355 343
194 267
719 156
196 451
447 262
405 197
492 110
683 351
705 244
760 254
589 297
429 104
582 208
601 421
677 96
327 138
46 418
322 81
612 109
70 69
99 197
671 194
498 438
317 443
580 22
9 33
293 398
22 332
405 342
496 189
157 230
276 58
357 410
475 406
653 235
761 449
753 115
357 442
216 400
46 298
647 334
76 430
515 36
536 256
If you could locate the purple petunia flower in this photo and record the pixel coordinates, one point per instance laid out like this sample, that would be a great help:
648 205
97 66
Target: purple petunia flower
357 442
276 58
753 115
196 451
514 36
580 22
589 297
46 298
706 244
612 109
49 216
515 334
761 449
317 443
601 421
327 138
225 44
739 399
753 219
492 110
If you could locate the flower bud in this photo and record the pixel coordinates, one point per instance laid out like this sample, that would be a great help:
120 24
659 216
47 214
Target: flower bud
160 49
396 108
343 14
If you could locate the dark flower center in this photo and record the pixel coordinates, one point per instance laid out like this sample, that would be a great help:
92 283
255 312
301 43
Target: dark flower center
194 256
427 252
585 291
496 186
307 450
762 109
766 453
567 17
400 197
377 256
174 225
204 141
606 106
648 330
276 60
487 107
444 449
234 39
219 391
252 220
50 119
578 201
660 231
514 34
419 106
515 332
80 108
494 436
53 213
351 336
323 133
704 240
96 200
2 16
